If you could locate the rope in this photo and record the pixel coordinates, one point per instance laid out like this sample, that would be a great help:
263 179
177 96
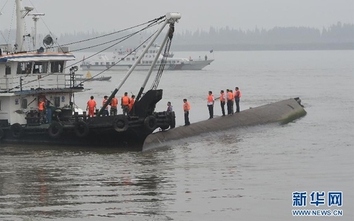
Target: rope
156 21
164 59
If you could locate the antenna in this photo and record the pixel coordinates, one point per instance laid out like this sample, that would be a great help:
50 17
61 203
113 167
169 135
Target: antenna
35 17
27 10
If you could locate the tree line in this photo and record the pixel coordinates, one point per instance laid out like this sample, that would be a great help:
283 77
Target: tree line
335 37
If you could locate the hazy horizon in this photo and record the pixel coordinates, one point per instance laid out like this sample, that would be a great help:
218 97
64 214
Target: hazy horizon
70 16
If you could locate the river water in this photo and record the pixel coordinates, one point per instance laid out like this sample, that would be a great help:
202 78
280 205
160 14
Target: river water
240 174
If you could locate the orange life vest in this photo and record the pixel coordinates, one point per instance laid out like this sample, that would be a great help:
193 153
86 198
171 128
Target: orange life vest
132 100
210 99
103 102
222 97
91 104
41 105
186 106
230 96
114 102
238 94
125 101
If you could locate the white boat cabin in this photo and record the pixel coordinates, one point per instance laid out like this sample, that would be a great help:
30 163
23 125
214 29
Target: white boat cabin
27 77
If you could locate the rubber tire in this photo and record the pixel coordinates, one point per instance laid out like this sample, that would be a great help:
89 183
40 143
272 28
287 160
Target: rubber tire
120 124
55 129
150 123
16 130
81 129
173 123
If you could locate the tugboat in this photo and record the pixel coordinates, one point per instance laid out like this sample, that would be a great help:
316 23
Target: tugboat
30 78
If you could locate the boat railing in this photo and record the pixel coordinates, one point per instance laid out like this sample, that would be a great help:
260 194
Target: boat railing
5 49
17 83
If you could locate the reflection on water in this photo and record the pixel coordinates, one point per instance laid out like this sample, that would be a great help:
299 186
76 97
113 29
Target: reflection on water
72 183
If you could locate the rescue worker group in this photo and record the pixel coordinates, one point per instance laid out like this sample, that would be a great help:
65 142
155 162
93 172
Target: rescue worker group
127 104
227 98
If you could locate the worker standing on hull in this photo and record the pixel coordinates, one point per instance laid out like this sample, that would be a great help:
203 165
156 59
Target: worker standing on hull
125 101
131 104
91 106
237 99
210 104
186 108
114 104
105 112
222 102
230 102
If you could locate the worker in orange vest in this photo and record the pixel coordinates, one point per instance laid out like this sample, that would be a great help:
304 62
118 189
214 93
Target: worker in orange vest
125 101
210 104
114 105
132 101
186 108
41 107
222 102
237 96
91 106
105 112
230 101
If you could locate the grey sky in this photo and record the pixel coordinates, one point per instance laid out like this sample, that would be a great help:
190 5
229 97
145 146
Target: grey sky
107 15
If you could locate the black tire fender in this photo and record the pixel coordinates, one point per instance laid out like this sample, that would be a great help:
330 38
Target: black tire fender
81 129
150 123
120 123
16 130
55 129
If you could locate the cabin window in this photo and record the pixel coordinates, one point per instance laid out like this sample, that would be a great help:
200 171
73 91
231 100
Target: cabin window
133 59
24 68
7 70
107 63
57 101
128 59
113 63
24 103
96 63
40 67
56 66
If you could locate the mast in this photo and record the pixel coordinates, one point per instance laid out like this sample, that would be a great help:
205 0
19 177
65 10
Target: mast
20 25
171 18
35 19
153 64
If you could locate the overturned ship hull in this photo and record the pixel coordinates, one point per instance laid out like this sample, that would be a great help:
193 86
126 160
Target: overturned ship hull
279 112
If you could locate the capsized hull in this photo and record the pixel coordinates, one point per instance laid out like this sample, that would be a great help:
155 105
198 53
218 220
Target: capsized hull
282 112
